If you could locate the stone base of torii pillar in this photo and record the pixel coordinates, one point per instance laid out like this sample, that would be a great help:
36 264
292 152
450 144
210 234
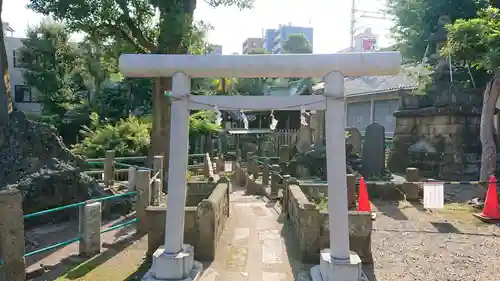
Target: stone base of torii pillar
178 267
329 270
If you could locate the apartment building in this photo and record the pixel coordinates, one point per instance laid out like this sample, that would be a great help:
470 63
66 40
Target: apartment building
25 98
276 38
252 44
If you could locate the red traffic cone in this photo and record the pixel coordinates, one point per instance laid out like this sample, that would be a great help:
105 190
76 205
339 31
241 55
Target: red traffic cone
363 202
490 213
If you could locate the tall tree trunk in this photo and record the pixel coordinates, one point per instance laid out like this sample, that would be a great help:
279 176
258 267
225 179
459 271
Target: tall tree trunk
489 150
160 132
170 41
5 90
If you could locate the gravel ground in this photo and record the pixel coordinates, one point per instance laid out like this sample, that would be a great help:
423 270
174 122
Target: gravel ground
409 243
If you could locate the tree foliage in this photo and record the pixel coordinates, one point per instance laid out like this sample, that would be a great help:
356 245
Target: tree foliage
135 21
202 123
415 20
52 68
476 41
297 44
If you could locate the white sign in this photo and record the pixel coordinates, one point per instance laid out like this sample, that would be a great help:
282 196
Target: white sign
228 167
433 195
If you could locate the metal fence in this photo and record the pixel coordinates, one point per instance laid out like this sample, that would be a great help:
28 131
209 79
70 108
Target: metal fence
76 205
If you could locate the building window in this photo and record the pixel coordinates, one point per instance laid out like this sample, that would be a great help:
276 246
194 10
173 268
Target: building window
23 94
16 58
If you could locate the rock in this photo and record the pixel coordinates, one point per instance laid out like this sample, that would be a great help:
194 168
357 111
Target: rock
315 160
34 160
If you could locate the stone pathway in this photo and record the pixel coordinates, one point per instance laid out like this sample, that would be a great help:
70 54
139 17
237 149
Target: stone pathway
252 247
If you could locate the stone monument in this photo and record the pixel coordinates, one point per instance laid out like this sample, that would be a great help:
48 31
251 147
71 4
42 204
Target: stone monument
437 130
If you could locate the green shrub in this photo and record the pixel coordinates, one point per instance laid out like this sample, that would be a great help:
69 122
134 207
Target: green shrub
128 137
131 136
202 123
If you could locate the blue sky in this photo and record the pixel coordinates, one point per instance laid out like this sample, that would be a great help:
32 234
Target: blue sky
329 18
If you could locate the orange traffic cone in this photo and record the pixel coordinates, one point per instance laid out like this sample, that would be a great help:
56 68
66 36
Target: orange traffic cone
363 202
490 213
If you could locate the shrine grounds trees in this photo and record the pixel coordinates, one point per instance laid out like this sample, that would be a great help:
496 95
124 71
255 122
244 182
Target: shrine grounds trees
472 47
415 20
477 42
146 26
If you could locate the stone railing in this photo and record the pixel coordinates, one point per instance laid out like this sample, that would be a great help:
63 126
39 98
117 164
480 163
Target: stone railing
408 188
206 212
115 170
310 223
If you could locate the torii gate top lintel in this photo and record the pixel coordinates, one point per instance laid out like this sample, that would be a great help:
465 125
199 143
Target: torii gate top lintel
254 66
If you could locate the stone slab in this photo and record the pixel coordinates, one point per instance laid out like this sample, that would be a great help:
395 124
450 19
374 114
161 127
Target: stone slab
193 276
273 276
272 246
240 236
237 257
210 275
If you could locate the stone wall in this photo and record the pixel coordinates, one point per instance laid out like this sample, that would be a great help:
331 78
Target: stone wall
443 142
311 227
198 190
204 222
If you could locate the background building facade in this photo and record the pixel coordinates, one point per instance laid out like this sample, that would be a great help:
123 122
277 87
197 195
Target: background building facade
252 44
275 38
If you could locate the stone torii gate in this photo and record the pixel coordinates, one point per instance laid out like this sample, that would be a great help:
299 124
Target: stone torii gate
175 260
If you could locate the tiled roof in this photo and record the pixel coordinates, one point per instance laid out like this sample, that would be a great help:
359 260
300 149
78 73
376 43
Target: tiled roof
374 84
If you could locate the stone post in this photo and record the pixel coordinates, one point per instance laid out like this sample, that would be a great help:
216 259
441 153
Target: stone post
156 192
249 156
143 200
319 130
89 220
216 160
351 191
284 153
109 167
220 164
275 179
253 166
287 179
132 178
265 171
208 169
238 154
158 167
238 174
11 236
411 187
